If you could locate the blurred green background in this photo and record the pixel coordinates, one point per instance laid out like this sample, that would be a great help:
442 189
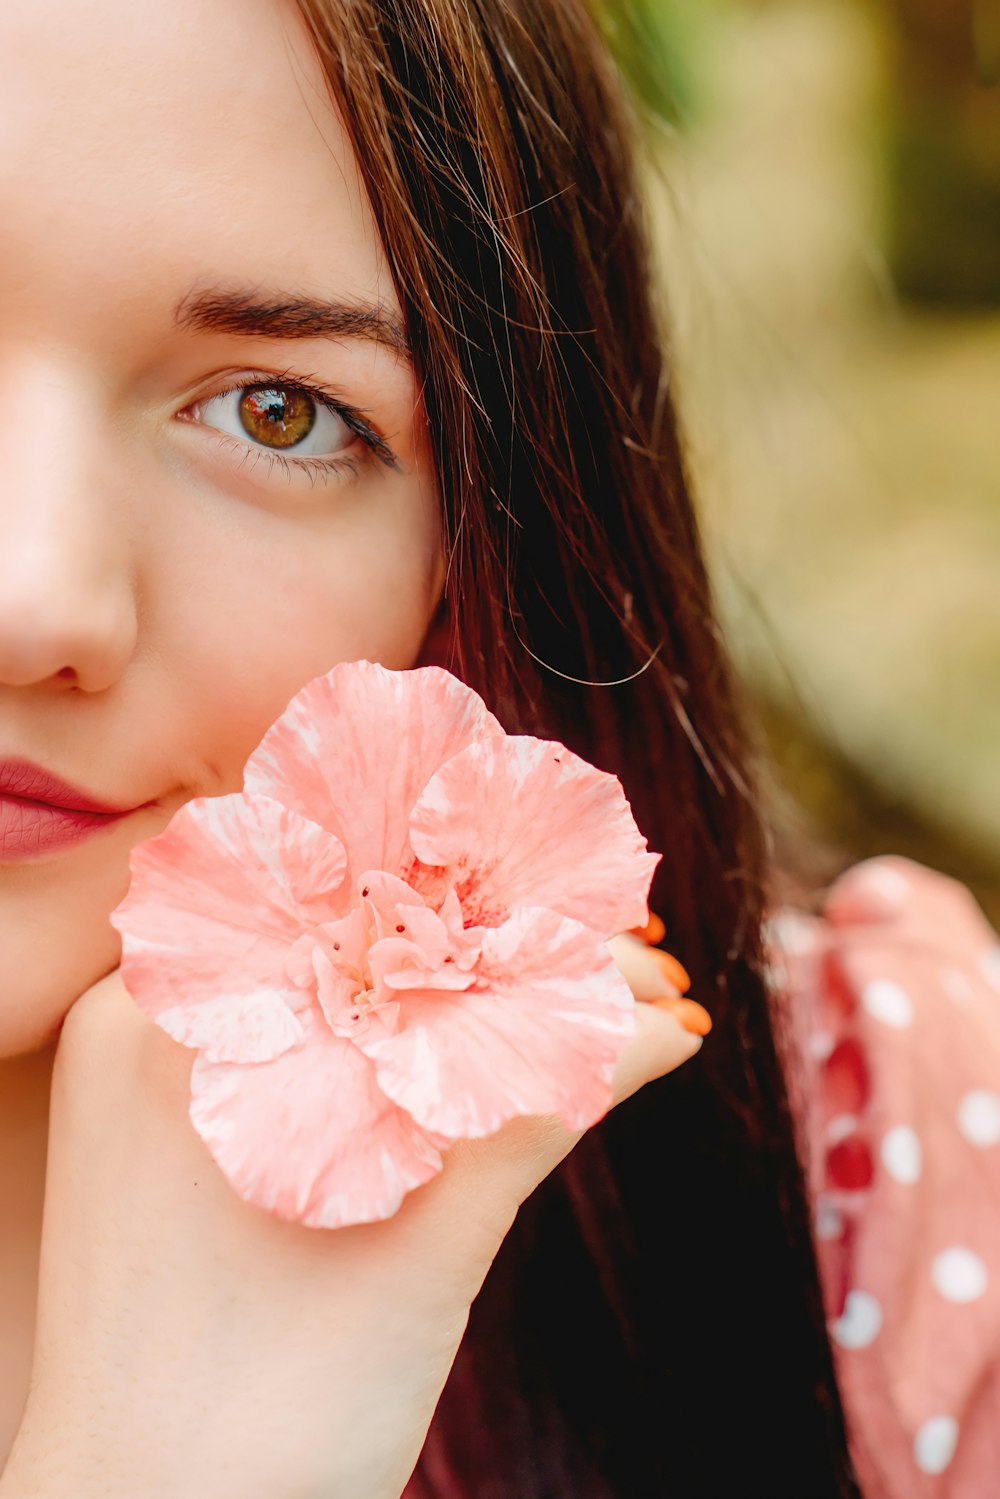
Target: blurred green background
824 184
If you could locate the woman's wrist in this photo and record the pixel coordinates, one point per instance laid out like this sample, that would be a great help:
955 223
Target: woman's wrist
65 1473
59 1456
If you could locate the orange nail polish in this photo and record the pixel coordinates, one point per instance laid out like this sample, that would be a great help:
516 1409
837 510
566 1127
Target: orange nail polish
653 932
675 972
691 1015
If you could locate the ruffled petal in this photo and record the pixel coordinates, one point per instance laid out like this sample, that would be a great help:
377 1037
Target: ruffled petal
233 1027
335 991
408 965
216 902
355 748
540 1034
525 822
309 1136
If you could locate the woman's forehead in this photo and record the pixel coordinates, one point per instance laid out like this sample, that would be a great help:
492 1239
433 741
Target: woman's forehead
148 147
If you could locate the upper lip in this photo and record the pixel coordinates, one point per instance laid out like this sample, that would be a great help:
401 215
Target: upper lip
23 779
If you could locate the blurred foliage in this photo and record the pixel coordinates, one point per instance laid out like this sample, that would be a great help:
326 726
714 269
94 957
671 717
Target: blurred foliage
944 217
660 46
820 251
943 131
986 40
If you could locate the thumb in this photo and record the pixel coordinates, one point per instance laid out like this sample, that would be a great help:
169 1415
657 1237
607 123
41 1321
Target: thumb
659 1045
519 1156
499 1172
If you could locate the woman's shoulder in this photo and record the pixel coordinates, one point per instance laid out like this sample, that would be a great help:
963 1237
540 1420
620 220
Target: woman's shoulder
893 1005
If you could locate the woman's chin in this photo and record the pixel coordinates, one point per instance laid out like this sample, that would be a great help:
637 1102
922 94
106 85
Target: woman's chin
56 941
35 1002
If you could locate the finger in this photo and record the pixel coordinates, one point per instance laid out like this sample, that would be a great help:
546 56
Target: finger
660 1044
492 1177
641 967
659 979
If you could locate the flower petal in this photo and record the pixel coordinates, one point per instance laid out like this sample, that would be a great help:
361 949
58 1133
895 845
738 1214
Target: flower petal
355 748
231 1027
525 822
310 1136
388 901
408 965
334 989
216 902
540 1034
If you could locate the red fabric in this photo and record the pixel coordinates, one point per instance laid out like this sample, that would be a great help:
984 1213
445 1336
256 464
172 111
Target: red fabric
894 993
894 997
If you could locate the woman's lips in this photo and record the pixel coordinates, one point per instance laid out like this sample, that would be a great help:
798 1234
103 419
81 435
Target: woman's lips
41 814
30 829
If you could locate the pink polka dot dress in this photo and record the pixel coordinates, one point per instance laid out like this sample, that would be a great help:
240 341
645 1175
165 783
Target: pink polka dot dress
894 998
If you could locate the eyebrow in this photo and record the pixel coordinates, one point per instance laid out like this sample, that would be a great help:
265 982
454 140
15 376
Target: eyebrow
246 314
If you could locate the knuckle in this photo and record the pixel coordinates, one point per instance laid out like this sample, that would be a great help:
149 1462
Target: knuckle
638 966
661 1045
91 1016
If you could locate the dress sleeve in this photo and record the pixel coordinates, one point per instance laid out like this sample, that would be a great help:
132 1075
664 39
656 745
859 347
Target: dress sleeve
894 1001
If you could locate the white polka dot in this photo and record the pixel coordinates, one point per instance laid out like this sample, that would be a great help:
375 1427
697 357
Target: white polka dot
821 1044
839 1128
775 974
901 1154
829 1223
795 934
959 1275
888 1002
860 1322
957 986
979 1117
887 882
990 964
934 1444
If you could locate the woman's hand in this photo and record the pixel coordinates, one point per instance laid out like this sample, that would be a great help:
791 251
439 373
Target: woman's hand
191 1346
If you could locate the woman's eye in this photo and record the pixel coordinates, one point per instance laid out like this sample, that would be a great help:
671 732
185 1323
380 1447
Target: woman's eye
279 418
292 427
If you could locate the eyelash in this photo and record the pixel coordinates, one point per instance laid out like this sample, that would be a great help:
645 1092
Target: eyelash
316 469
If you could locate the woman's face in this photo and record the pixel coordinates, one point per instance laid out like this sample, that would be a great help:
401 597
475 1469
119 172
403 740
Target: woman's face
186 537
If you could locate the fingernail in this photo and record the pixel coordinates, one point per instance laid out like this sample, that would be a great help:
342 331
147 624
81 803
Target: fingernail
673 971
653 932
688 1012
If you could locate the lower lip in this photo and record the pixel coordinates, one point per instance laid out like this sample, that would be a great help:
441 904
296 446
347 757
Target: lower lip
31 830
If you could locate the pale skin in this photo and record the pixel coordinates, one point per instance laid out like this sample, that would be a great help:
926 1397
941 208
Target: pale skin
162 596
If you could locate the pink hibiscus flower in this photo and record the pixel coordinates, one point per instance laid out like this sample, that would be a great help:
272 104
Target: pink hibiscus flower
392 938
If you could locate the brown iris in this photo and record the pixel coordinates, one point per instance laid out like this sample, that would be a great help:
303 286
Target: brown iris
278 415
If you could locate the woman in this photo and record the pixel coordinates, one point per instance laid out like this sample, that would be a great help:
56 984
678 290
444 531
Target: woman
326 334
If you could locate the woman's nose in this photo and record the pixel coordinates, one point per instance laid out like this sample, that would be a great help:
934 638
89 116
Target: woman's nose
68 609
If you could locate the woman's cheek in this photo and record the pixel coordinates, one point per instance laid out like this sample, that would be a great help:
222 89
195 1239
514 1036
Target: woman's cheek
288 614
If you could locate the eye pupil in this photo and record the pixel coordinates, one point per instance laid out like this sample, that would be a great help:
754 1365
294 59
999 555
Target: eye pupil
278 415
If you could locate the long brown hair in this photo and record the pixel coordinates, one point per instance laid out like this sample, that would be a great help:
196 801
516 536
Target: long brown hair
653 1324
